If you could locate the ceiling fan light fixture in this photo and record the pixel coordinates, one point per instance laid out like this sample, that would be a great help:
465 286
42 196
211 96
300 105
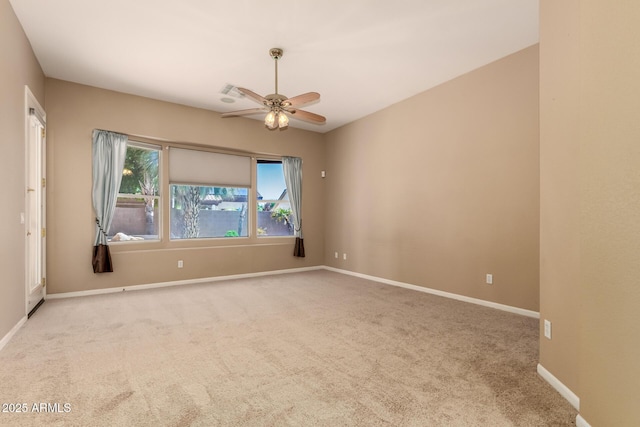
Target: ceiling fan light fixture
283 120
270 120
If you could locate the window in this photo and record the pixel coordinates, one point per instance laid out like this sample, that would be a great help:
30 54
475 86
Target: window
137 214
209 194
273 208
204 212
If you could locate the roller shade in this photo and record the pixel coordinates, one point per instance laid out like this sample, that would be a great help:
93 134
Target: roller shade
206 168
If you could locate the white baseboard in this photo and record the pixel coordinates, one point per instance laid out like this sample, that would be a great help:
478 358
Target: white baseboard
178 283
5 340
581 422
560 387
503 307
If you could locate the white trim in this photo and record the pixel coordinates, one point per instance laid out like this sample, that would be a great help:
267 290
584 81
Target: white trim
5 340
178 283
560 388
31 102
581 422
503 307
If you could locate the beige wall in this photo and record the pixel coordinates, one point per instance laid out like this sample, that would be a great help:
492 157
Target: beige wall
592 132
443 188
560 188
75 110
18 67
610 196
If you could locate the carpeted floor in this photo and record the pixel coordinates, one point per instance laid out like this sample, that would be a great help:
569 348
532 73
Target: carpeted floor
307 349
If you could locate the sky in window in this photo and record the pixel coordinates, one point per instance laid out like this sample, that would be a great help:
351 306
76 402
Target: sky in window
270 180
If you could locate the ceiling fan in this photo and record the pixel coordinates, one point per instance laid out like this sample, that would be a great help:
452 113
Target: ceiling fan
278 106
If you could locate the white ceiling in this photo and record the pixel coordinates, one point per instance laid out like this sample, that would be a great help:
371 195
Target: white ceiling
360 55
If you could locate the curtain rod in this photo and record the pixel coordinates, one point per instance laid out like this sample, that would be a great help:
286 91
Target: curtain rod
183 144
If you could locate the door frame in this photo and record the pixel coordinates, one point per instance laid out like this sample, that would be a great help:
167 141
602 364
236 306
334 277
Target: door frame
33 107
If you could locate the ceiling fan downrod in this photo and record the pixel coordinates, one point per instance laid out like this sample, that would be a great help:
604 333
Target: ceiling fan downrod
276 53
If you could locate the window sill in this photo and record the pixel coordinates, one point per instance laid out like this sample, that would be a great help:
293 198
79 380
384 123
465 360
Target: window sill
204 243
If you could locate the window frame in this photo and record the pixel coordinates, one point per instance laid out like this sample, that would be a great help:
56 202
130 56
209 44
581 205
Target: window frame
164 240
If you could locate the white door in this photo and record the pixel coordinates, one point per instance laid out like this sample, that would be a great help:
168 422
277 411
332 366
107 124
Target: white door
35 212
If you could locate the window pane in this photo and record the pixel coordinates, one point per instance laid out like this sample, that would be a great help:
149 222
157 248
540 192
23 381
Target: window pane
274 210
271 184
204 212
274 219
135 219
140 173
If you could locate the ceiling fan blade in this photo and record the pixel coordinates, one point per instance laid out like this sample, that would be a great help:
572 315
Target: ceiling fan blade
244 112
300 100
254 96
307 116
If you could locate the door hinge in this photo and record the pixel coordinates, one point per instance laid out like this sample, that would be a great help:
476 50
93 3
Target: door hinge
44 232
44 182
44 282
44 132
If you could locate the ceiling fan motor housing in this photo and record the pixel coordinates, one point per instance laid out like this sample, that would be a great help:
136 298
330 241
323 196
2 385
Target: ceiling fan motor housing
275 100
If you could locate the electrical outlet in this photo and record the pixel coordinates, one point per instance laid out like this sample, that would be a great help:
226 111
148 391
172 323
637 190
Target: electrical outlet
335 255
180 264
489 279
344 257
547 329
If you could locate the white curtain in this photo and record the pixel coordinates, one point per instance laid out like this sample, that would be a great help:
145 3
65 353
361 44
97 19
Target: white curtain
292 168
109 152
